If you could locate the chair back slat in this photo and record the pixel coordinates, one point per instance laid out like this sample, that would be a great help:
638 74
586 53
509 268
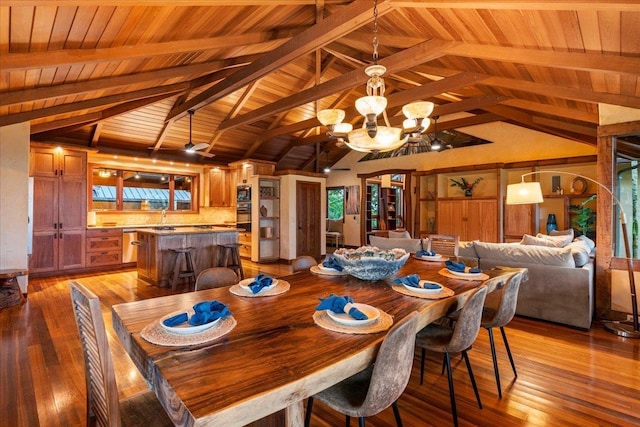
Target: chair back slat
443 244
215 277
102 393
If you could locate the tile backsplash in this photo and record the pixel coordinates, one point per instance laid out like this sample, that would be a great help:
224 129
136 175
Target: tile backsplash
205 216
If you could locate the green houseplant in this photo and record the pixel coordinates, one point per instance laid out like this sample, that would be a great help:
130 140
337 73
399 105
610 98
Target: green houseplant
583 218
465 185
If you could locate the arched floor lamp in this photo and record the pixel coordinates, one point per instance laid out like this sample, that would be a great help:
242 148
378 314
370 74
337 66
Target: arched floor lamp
530 192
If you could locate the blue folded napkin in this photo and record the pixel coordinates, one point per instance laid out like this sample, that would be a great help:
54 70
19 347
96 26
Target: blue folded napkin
338 304
330 262
259 282
426 253
413 280
204 312
460 267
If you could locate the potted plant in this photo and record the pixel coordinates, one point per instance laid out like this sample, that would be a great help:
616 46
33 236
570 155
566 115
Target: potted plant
465 185
583 218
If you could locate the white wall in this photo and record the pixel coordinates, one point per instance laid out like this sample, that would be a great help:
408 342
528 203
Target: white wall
14 185
288 213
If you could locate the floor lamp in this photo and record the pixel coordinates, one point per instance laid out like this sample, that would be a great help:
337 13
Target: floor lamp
530 192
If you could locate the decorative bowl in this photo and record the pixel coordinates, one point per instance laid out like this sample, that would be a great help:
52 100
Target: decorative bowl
370 262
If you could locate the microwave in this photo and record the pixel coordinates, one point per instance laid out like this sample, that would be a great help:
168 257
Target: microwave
243 193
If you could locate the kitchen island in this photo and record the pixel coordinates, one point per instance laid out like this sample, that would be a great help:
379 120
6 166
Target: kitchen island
156 258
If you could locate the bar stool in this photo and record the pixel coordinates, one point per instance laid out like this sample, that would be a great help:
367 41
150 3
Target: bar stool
229 256
188 272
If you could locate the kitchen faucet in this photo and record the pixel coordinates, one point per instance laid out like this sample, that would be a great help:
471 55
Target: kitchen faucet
163 217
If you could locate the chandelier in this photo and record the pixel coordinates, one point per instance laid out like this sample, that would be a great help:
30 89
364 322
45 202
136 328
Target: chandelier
372 137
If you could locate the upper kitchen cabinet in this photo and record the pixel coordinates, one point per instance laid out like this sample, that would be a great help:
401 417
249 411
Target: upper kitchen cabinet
220 193
59 209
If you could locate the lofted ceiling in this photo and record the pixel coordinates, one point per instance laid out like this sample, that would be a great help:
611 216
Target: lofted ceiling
121 76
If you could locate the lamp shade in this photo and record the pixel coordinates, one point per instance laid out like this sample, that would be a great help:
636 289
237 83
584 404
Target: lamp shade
386 139
523 193
418 110
330 117
367 105
342 128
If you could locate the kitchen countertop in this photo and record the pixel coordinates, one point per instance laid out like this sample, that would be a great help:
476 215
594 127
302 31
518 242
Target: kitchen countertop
146 226
171 230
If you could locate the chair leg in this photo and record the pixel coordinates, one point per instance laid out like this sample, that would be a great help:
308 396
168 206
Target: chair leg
494 357
473 379
307 415
361 421
452 395
396 413
422 366
348 421
506 345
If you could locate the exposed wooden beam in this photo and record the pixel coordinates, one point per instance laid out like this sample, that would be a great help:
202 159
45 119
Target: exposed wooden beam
95 136
63 90
571 127
614 64
333 27
400 61
61 57
586 5
92 103
142 3
569 113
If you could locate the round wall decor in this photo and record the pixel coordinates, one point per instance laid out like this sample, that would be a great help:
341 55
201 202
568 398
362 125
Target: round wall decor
579 185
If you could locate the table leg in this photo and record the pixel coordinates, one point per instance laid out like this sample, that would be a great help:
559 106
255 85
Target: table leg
294 415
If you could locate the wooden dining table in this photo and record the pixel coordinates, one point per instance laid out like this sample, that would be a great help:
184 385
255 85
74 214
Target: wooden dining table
275 356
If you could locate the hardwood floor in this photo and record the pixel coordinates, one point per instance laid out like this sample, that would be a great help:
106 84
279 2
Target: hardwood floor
566 377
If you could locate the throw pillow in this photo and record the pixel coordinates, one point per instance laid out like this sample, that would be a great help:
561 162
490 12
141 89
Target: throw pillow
590 243
562 240
527 239
580 252
567 232
399 234
516 255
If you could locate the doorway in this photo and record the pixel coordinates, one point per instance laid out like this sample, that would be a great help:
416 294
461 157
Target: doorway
308 219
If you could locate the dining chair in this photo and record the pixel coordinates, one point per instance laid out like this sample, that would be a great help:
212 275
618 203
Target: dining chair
215 277
443 244
103 406
501 316
455 339
303 262
380 385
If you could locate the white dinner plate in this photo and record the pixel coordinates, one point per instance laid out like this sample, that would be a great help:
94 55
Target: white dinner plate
186 328
244 284
422 290
344 318
461 274
436 257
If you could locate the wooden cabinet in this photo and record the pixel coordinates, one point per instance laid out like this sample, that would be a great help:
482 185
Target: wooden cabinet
518 221
220 194
244 238
470 219
104 247
265 241
59 209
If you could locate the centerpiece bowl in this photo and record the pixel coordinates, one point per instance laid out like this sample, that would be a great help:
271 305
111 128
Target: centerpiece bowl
370 262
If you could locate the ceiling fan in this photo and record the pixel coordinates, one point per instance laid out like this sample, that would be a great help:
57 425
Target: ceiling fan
190 147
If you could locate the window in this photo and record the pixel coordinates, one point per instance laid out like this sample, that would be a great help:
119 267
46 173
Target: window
335 203
627 192
127 190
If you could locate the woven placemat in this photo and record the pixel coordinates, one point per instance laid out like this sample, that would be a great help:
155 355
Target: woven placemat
444 293
316 270
155 333
281 287
446 273
322 319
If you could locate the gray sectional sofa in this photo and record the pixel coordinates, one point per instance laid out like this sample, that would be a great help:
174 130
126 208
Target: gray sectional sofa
560 286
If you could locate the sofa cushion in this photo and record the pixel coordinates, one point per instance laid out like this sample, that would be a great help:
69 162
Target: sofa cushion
515 254
567 232
561 240
467 250
399 234
530 240
385 243
580 252
590 243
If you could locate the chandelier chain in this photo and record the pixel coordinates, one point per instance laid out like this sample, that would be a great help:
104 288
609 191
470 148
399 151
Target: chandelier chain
375 31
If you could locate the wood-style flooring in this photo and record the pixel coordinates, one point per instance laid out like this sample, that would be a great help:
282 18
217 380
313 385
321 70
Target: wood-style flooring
566 377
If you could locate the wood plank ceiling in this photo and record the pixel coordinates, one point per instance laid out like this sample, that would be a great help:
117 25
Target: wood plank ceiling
120 76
